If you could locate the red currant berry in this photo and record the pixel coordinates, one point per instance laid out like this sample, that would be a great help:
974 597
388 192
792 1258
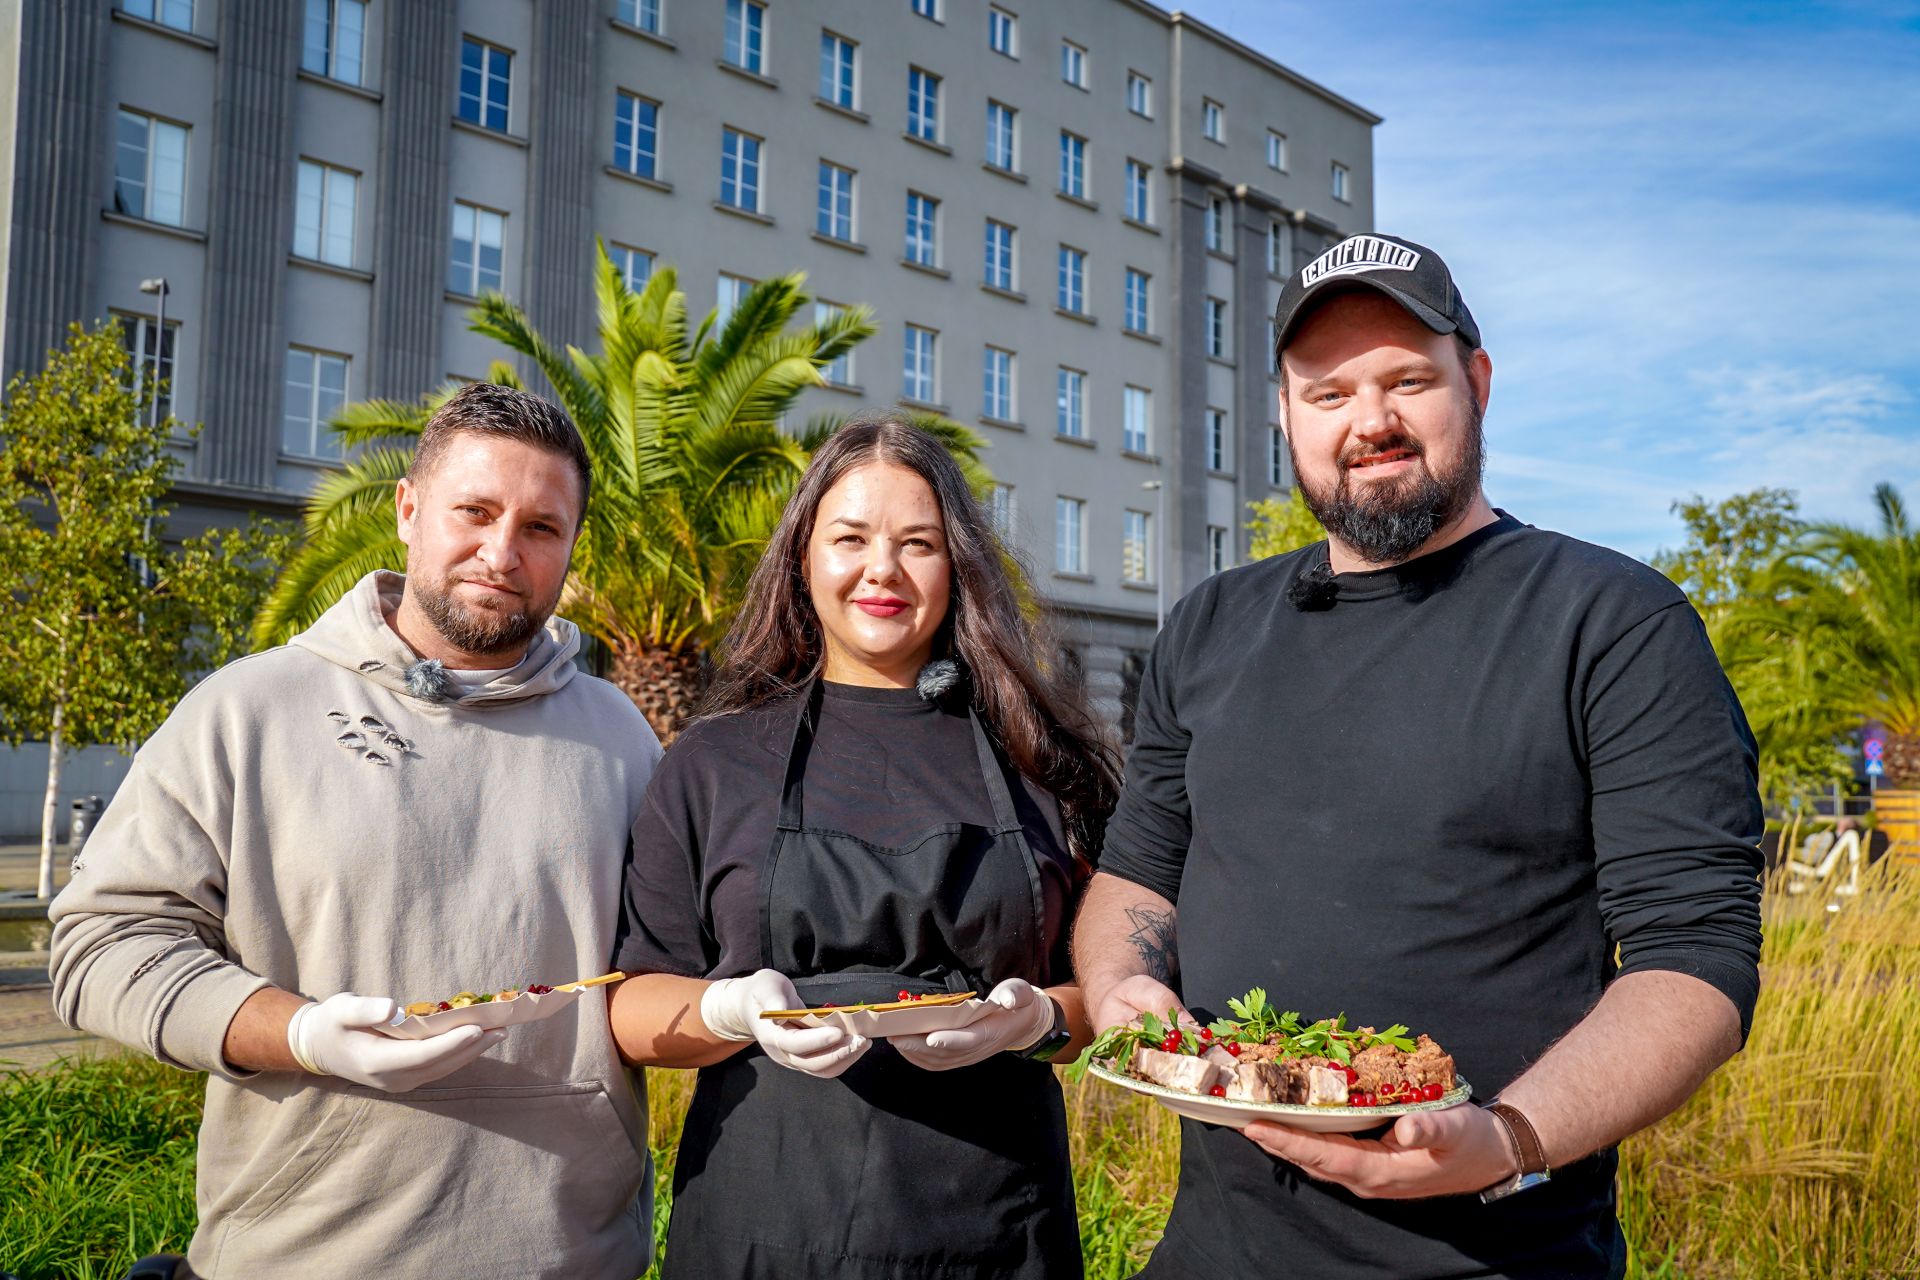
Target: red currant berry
906 995
1218 1091
444 1005
1233 1048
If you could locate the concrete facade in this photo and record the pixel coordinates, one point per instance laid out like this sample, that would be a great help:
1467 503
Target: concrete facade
241 298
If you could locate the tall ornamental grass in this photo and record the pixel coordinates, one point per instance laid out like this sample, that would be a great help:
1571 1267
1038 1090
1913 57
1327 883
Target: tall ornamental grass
1799 1159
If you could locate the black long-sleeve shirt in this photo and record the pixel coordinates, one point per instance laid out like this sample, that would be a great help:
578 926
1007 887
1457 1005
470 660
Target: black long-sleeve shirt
1443 801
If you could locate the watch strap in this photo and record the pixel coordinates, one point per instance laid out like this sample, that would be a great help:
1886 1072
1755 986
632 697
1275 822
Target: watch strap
1526 1143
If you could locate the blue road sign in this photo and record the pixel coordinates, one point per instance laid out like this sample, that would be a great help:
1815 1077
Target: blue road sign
1874 747
1875 769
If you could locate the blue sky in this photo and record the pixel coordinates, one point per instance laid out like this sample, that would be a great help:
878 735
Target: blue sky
1690 233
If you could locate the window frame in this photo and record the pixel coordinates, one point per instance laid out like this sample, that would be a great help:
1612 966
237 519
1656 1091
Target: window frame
328 174
1213 121
488 50
1136 551
1138 440
1070 403
990 243
1010 24
997 111
1215 314
621 99
740 163
828 213
1070 533
1070 280
1137 303
1342 183
499 220
1277 151
997 376
923 231
623 255
315 424
1140 183
1145 84
1073 164
1073 64
833 69
151 127
923 105
911 362
1219 440
137 340
744 33
839 370
330 50
642 15
157 11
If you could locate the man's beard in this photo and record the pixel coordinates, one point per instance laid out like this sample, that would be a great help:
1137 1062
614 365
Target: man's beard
1391 520
473 629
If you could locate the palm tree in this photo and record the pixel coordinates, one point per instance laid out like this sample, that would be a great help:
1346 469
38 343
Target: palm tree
1830 638
691 470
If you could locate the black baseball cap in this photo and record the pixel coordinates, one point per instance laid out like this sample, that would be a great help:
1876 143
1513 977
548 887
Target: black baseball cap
1411 274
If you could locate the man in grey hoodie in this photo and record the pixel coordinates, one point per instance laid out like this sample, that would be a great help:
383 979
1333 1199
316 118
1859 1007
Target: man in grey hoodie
420 794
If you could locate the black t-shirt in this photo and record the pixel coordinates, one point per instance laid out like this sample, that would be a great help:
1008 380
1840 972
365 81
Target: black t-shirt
885 766
1442 801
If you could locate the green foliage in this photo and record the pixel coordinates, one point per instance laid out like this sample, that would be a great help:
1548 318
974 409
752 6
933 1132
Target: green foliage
1728 545
106 624
1828 637
97 1161
691 468
1280 525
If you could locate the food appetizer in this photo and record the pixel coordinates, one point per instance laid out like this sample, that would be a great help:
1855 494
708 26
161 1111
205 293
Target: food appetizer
907 1000
421 1018
1267 1056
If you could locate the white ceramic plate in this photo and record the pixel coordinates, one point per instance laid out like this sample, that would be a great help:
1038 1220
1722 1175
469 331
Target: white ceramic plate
1237 1115
898 1020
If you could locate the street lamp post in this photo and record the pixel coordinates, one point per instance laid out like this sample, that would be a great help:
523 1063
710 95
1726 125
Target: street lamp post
157 286
1159 561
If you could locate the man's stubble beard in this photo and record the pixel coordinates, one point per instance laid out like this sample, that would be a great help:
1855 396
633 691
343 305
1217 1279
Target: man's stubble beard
473 629
1392 520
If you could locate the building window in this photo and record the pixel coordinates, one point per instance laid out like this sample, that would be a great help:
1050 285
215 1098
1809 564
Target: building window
919 370
1219 553
1136 420
1136 547
1071 294
1272 357
168 13
316 390
1276 458
1217 224
746 39
740 170
729 292
1340 181
137 336
1276 151
836 69
929 9
839 370
1276 248
636 134
1073 64
923 230
996 384
1000 509
486 82
477 261
1073 164
1000 135
150 169
1217 328
923 105
644 14
1217 445
1134 318
1213 120
1139 190
323 214
335 40
1001 26
1070 404
1070 535
1139 94
999 264
833 213
634 265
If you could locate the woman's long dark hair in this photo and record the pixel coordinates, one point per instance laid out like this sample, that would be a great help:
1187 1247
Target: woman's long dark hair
775 647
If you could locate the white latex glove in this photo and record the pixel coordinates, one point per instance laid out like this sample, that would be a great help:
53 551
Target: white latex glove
1022 1018
731 1008
337 1038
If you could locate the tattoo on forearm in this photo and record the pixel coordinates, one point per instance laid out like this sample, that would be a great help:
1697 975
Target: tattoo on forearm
1152 937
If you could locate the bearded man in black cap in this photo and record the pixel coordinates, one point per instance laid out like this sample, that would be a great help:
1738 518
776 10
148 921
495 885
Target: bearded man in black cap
1435 771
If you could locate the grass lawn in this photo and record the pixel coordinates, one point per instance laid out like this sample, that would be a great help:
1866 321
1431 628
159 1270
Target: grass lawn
1796 1160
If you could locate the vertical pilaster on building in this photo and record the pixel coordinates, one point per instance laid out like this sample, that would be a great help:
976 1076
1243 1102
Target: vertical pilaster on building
249 231
412 215
59 136
1185 451
562 173
1253 214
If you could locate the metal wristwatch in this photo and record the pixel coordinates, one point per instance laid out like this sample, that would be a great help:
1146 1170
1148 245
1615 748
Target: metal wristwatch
1043 1049
1527 1150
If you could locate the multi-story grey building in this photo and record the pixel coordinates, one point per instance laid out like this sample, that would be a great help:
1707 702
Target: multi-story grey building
1070 216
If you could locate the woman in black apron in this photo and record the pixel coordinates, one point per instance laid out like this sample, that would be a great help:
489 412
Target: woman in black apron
882 796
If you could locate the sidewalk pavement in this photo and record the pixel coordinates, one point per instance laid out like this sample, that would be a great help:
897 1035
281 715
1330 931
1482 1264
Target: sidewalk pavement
30 1036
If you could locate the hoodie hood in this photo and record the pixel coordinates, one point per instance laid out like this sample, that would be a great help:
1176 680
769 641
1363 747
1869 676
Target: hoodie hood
354 634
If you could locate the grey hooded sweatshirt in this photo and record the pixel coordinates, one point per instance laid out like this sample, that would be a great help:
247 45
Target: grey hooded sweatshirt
303 820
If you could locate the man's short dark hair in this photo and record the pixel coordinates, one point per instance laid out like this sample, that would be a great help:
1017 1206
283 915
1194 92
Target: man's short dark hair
487 409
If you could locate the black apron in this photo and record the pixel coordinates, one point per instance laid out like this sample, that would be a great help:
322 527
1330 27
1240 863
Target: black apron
887 1171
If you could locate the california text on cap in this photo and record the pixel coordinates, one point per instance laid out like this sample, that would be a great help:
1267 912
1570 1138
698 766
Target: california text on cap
1411 274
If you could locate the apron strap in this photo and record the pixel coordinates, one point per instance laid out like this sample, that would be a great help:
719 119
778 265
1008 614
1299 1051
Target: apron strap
1005 818
798 748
